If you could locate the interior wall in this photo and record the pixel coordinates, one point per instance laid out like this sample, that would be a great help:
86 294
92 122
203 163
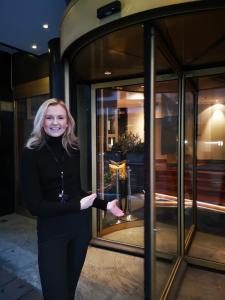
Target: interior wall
211 142
136 121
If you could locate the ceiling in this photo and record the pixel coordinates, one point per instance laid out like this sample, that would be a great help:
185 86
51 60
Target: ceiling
21 24
194 40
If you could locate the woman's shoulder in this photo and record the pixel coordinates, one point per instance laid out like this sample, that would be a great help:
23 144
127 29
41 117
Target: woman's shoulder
30 152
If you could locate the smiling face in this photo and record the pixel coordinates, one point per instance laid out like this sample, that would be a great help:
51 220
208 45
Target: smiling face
55 122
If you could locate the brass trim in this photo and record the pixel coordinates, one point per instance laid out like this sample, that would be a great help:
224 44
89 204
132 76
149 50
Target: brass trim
173 283
189 237
117 247
213 265
170 285
118 227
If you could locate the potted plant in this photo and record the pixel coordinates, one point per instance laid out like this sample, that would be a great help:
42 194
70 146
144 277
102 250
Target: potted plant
128 142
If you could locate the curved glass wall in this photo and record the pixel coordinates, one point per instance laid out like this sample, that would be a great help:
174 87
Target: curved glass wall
210 233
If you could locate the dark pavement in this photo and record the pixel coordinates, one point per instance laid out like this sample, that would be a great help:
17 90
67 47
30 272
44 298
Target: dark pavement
13 288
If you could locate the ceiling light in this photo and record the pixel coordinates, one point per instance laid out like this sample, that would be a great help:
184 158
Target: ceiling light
45 26
108 73
34 46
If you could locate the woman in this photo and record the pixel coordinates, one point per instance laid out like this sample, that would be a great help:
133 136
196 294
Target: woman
52 192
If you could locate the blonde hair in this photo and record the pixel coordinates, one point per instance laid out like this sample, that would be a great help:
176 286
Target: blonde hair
37 136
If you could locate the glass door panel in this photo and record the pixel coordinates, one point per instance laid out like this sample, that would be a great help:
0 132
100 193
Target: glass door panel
189 168
166 162
166 165
209 239
166 131
120 160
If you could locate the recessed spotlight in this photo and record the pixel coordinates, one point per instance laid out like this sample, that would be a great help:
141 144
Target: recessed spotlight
45 26
34 46
108 73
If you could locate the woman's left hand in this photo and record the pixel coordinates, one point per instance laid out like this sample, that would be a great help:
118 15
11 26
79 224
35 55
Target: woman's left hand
114 209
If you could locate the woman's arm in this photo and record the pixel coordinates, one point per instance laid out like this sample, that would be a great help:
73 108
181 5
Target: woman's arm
111 206
99 203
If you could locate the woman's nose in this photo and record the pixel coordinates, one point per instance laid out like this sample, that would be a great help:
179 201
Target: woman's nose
55 121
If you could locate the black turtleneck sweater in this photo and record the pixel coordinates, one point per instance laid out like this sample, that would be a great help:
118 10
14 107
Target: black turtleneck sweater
41 181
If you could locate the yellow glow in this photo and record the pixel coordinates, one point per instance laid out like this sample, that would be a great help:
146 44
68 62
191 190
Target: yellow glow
218 106
34 46
134 96
218 115
218 143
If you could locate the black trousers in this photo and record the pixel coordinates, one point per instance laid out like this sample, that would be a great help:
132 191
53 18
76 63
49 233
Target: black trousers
60 263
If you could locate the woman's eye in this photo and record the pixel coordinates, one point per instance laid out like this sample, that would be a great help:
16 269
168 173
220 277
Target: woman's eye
56 118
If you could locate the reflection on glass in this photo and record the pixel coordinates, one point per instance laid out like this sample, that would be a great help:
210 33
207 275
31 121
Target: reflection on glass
120 161
188 157
166 131
166 135
210 237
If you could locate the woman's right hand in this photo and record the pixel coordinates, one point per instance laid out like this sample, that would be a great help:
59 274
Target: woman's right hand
87 201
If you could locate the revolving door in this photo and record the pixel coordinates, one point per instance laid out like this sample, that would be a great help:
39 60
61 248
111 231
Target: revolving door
156 104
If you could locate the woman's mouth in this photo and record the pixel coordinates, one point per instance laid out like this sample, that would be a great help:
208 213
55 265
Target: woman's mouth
55 128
